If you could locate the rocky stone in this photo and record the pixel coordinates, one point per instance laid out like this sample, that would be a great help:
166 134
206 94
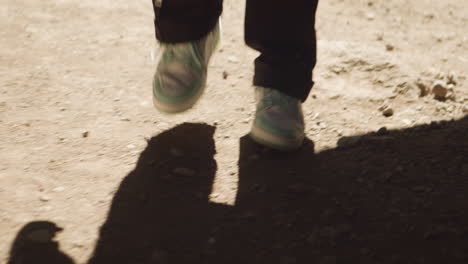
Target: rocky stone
389 47
44 198
440 90
233 59
465 109
387 110
347 142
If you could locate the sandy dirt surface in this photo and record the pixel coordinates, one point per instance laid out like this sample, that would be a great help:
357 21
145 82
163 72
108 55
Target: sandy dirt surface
382 178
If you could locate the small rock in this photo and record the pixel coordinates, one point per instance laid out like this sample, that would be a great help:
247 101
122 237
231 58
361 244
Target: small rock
347 142
382 131
184 171
440 90
85 134
386 110
389 47
44 198
423 87
233 59
58 189
380 37
370 16
451 79
225 75
407 122
78 245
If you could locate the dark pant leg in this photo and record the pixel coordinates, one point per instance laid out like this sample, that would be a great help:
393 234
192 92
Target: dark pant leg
284 33
185 20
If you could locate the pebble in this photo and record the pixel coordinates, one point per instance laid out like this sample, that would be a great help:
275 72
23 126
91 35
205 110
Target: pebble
233 59
407 122
346 142
211 240
389 47
423 87
370 16
440 90
382 131
85 134
58 189
387 110
225 75
44 198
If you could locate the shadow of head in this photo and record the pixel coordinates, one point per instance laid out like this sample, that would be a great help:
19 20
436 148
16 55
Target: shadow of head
35 243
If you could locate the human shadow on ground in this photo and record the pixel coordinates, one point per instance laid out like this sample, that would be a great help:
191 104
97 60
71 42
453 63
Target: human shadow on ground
35 244
388 197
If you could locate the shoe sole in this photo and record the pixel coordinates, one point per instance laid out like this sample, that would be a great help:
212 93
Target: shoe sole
172 108
273 141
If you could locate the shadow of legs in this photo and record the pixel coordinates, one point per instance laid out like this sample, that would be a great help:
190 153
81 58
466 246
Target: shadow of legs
161 211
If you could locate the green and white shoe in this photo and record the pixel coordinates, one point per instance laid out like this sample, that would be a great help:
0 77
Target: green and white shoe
180 77
279 122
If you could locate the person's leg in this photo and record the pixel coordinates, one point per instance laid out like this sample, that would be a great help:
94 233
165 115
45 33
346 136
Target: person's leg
188 31
284 33
185 20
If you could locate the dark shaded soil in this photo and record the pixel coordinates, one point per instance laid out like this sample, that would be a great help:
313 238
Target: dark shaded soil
390 197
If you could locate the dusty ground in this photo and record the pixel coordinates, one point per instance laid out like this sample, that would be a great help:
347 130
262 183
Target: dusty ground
82 146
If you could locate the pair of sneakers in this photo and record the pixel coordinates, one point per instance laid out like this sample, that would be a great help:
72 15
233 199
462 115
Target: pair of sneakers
180 80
